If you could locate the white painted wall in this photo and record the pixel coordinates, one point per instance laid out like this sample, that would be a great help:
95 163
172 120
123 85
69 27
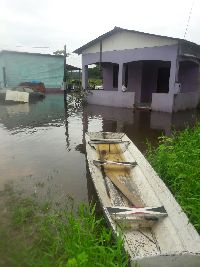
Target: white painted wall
112 98
129 40
162 102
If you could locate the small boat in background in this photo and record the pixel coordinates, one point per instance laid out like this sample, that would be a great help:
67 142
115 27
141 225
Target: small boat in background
36 86
138 205
24 93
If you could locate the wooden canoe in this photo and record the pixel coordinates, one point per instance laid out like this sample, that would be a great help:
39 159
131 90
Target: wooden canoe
138 205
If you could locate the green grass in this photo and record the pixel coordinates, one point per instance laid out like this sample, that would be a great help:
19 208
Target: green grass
37 235
177 161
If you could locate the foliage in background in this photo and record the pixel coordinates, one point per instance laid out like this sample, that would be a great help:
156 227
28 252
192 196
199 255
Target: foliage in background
177 161
35 235
94 77
94 73
93 82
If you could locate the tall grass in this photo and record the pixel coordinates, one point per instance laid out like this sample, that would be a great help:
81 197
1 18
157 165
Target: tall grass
37 236
177 161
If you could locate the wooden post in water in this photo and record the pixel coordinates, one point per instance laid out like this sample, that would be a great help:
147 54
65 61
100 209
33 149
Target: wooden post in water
65 75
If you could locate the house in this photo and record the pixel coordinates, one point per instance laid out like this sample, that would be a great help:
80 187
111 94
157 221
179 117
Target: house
140 68
17 67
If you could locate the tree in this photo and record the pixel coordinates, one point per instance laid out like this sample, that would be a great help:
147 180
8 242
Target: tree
94 73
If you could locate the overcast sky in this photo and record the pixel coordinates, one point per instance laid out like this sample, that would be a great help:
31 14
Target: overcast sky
25 24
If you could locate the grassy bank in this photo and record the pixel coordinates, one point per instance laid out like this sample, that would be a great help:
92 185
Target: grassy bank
177 161
33 234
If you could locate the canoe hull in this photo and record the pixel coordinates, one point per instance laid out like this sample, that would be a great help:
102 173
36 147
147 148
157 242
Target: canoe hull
172 241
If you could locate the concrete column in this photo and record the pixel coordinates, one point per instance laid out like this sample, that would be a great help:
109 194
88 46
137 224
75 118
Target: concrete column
172 78
85 76
121 76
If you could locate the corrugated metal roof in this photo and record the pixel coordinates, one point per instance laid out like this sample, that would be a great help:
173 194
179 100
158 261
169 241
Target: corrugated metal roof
29 53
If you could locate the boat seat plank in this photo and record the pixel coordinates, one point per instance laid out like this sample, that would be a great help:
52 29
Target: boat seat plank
110 148
106 141
152 212
119 163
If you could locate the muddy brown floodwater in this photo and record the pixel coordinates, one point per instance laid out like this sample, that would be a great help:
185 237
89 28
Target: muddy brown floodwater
42 150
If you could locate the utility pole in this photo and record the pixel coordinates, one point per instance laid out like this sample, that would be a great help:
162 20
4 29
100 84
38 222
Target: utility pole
4 77
65 75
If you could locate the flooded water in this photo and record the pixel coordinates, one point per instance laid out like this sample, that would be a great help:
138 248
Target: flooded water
42 144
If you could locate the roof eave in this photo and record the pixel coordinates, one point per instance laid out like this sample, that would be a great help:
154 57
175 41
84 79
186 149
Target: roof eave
98 39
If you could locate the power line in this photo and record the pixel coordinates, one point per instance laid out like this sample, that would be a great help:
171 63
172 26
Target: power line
190 13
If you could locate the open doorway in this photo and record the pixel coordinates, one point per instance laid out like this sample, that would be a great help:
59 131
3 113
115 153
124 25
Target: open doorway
163 80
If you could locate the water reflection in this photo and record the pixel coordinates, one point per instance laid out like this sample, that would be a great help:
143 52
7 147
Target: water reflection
43 146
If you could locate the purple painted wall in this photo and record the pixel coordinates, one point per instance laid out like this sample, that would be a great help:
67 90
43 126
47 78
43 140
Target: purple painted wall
143 68
135 79
150 77
149 81
107 77
165 53
188 76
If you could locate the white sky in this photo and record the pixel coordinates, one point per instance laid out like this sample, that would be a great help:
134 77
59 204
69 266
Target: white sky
25 24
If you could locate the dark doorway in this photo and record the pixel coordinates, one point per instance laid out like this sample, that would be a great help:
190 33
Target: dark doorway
126 76
163 80
115 75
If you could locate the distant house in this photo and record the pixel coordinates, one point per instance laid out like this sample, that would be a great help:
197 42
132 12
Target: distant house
141 68
17 67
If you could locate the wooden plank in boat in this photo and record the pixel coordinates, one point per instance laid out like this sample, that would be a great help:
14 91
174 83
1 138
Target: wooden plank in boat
155 212
118 163
134 199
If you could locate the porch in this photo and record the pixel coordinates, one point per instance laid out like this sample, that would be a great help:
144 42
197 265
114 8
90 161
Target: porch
162 85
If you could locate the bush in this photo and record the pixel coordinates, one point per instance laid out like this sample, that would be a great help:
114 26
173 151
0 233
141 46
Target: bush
177 161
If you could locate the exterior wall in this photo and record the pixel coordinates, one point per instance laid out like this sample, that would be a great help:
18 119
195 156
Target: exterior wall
162 102
26 67
184 101
111 98
174 103
188 76
108 77
149 81
129 40
164 53
135 79
150 77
